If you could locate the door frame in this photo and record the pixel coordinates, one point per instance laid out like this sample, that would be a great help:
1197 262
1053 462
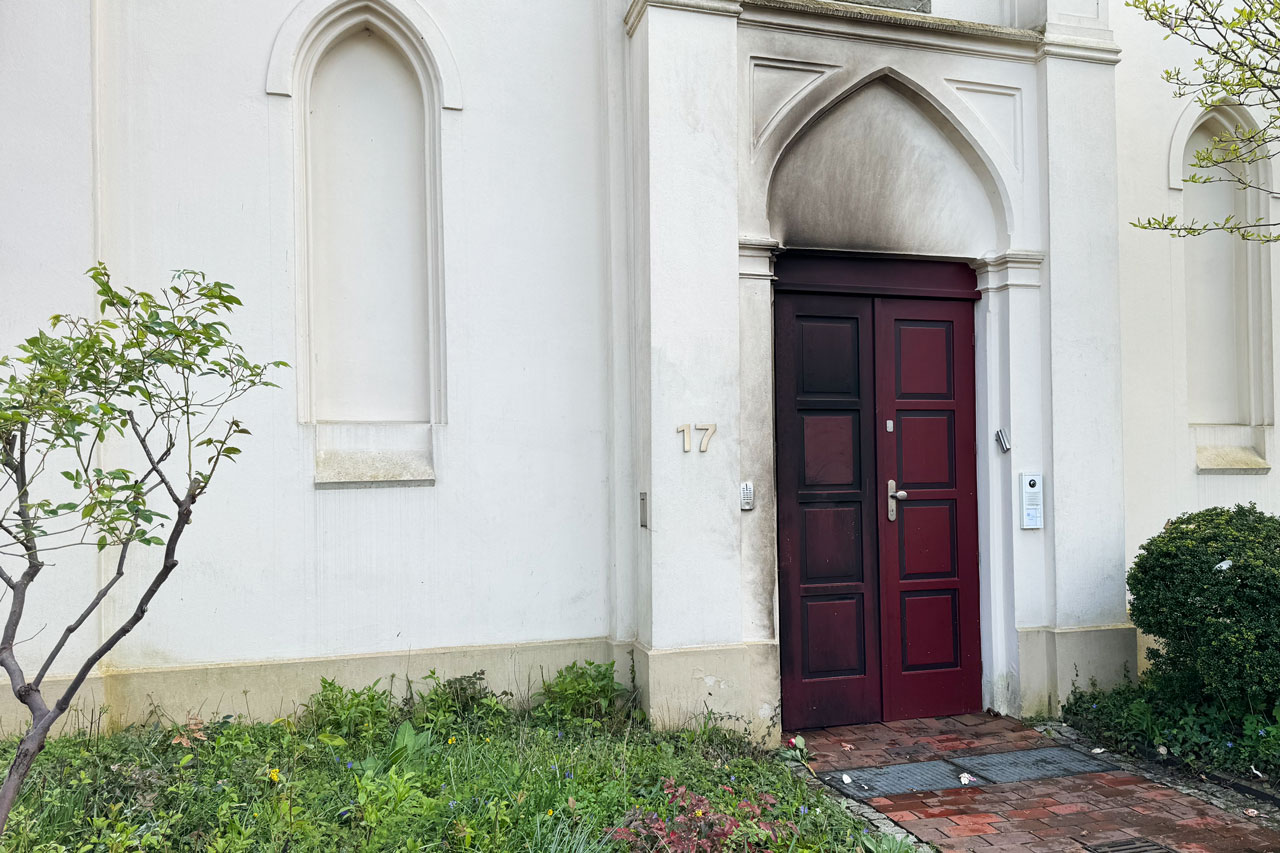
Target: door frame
839 273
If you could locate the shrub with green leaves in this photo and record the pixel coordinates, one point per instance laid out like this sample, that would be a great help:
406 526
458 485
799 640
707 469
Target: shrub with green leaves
461 699
586 692
353 715
1208 588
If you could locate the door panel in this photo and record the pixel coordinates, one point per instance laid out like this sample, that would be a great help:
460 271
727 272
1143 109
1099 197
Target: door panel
928 557
826 511
879 617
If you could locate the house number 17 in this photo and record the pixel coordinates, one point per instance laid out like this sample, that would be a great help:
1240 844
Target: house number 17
707 431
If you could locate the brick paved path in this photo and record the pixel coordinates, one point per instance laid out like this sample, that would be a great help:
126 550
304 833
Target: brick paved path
906 741
1040 816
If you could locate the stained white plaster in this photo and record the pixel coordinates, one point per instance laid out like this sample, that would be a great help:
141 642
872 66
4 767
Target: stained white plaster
978 149
876 172
512 544
605 232
689 290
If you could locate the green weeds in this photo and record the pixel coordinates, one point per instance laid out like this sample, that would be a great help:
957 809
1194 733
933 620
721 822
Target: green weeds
449 767
1147 720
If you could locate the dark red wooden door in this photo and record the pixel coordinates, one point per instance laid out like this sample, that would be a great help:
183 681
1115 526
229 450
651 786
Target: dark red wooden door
928 560
879 617
827 509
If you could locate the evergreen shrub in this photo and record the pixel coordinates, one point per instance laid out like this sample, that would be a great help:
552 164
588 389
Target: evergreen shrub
1208 588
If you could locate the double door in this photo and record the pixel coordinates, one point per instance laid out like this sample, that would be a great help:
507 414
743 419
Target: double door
877 512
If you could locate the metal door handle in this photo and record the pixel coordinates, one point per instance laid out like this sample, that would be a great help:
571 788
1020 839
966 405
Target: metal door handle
895 495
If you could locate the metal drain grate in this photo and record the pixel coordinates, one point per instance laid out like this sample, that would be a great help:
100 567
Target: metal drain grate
897 779
1133 845
1032 764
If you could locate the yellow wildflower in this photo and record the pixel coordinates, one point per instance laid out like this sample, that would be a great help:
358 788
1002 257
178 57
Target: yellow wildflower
452 741
550 812
274 774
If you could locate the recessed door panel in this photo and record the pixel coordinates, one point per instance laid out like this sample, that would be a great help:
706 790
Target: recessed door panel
924 360
833 544
830 449
927 541
829 625
929 635
828 348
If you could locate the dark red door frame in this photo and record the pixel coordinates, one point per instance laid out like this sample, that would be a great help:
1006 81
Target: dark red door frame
803 271
880 627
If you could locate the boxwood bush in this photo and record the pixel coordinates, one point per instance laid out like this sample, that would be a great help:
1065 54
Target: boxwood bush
1208 588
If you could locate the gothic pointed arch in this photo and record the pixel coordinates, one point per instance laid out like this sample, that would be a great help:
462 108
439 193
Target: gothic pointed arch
1226 280
313 25
366 82
885 168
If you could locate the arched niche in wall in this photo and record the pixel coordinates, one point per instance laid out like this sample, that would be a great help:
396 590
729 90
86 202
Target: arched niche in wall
883 170
367 80
1227 306
369 221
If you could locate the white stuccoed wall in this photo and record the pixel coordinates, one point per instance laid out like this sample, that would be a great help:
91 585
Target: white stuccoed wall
514 542
47 224
1083 333
693 335
597 185
1161 480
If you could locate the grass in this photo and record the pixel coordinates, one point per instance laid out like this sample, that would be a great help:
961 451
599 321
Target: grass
450 768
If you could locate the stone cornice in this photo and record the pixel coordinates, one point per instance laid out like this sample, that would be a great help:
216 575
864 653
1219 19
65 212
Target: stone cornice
914 20
1099 50
755 257
635 12
1015 268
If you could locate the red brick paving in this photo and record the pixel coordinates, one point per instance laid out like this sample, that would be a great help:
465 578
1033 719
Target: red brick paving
1039 816
1051 815
907 741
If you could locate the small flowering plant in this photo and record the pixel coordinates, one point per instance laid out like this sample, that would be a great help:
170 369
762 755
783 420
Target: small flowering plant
795 750
699 827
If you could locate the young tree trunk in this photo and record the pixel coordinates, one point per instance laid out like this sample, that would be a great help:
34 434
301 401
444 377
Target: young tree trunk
43 717
28 749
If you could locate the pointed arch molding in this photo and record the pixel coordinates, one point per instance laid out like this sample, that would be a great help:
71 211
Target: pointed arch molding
1193 115
990 162
315 24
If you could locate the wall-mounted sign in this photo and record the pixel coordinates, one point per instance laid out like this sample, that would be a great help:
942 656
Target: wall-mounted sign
707 431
